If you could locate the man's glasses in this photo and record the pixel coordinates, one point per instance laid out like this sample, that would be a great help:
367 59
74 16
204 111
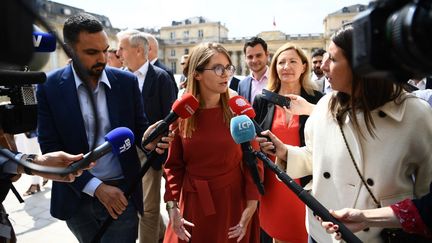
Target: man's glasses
220 69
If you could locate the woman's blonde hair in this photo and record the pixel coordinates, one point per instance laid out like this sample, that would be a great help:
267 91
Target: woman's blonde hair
199 57
274 83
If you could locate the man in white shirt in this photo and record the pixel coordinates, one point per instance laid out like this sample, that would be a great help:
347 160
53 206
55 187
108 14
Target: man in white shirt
158 93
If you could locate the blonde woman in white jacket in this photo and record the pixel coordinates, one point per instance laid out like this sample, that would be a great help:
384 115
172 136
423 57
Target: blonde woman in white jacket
387 130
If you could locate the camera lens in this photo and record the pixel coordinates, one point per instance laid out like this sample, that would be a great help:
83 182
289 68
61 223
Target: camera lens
409 33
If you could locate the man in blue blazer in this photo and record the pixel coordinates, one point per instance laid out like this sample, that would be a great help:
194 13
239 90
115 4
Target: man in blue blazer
256 56
159 93
66 122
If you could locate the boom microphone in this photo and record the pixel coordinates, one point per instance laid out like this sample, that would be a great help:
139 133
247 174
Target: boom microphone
12 77
243 131
183 107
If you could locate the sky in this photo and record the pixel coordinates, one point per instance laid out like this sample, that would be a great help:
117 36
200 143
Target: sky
243 18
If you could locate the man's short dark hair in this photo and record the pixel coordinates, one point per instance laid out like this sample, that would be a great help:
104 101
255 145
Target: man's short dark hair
253 42
79 23
318 52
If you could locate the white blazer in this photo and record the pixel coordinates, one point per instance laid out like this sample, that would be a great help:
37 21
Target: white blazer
402 147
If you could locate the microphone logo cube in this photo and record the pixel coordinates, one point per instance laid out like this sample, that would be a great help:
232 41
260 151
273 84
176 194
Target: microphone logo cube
126 145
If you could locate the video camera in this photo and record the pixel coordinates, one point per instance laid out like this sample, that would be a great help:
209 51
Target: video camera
18 107
392 40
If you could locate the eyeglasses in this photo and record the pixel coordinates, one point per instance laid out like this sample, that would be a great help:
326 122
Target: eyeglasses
220 69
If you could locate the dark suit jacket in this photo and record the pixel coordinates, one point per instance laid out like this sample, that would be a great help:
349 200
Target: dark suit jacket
159 93
162 66
245 87
61 127
234 83
265 112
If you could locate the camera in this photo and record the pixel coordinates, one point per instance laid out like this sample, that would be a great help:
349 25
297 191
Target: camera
25 48
392 40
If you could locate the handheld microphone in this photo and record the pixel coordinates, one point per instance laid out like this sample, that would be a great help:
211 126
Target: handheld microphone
117 141
240 106
243 131
44 42
183 107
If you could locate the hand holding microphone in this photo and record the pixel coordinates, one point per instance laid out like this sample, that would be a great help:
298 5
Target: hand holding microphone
183 107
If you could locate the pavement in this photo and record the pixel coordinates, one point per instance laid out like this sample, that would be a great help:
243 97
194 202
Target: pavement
32 220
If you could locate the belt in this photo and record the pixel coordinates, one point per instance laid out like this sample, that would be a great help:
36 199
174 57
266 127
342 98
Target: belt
204 187
276 98
118 182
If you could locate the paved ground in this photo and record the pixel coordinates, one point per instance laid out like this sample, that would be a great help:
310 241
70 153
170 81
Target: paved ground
32 221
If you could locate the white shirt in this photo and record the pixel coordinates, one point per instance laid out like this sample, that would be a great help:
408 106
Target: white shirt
258 85
108 166
420 85
141 74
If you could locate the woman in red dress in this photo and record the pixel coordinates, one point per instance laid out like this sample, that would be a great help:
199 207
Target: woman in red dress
282 214
210 195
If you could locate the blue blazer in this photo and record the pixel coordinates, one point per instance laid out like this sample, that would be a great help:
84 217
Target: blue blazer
245 88
61 127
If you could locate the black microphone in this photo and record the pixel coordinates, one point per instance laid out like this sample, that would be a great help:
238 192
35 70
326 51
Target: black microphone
183 107
13 77
242 131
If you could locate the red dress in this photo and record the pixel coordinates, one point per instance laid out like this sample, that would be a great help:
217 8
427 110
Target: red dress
282 214
205 174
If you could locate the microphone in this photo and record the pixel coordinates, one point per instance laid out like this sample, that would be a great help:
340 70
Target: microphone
243 131
240 106
117 141
183 107
44 42
13 77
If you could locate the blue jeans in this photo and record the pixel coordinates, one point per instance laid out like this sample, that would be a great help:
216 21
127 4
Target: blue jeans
90 217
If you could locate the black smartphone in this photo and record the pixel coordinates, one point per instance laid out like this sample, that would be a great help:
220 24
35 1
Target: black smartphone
277 99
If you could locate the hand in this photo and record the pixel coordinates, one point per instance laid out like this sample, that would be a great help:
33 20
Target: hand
299 106
178 224
353 219
59 159
269 147
240 229
161 143
112 198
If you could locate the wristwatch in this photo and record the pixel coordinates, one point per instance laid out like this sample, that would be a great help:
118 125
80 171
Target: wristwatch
171 205
28 158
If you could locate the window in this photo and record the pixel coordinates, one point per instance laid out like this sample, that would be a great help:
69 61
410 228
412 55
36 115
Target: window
173 67
172 36
200 33
186 51
186 34
173 52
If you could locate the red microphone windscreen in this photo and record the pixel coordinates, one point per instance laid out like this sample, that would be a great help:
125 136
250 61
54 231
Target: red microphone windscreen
240 106
185 106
